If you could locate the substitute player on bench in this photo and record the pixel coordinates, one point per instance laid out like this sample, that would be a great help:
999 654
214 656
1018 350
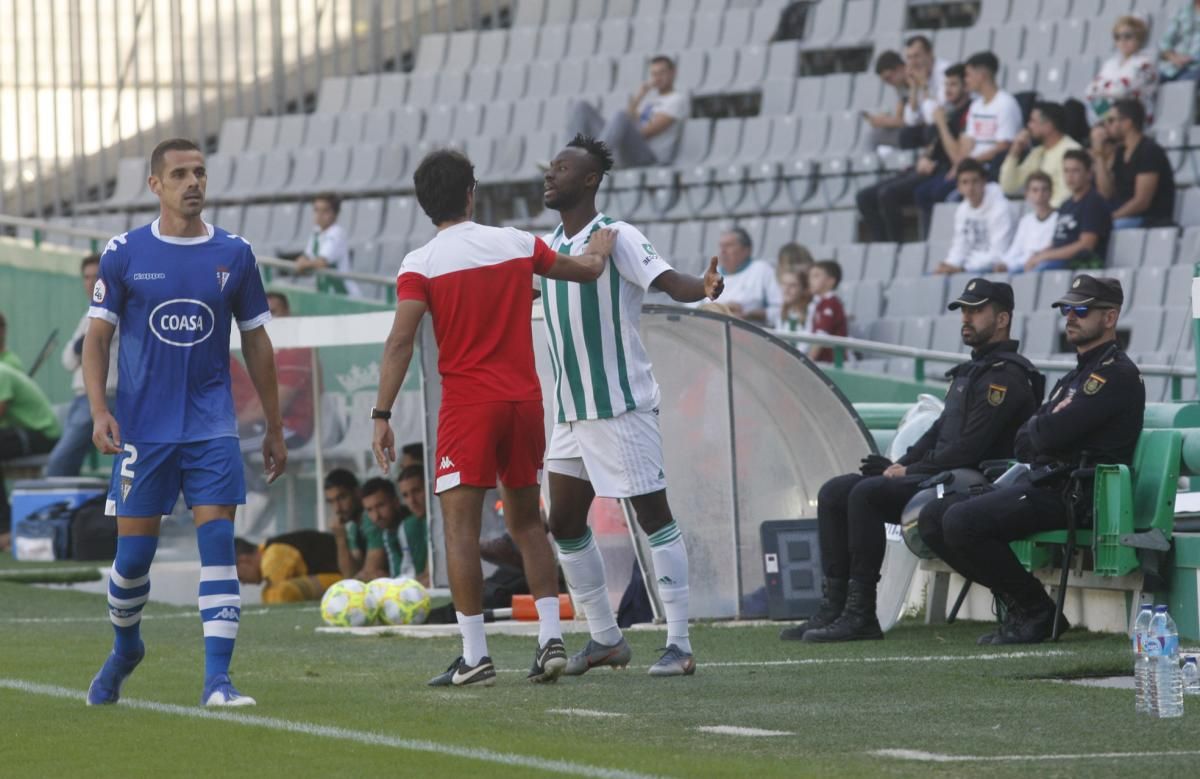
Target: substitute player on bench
477 283
174 287
606 439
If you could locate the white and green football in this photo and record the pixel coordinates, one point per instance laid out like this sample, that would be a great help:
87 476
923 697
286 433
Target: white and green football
405 602
343 604
377 590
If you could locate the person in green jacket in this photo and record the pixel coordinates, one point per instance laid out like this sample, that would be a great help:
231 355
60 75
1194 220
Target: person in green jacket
27 426
404 544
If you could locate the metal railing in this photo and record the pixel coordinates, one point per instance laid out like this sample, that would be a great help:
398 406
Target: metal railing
841 345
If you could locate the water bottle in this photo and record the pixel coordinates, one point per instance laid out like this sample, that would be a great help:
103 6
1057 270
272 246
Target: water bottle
1141 660
1191 676
1163 647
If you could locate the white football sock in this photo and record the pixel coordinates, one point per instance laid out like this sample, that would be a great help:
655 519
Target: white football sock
583 568
473 636
669 556
548 624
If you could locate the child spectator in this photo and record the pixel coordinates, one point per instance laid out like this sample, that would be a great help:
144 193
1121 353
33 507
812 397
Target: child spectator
826 314
1035 231
983 223
1084 222
796 297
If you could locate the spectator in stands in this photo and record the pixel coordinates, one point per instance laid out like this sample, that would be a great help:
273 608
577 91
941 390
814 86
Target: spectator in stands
983 223
993 121
796 296
1132 171
411 486
67 457
926 86
751 291
794 257
1046 126
825 314
1130 72
400 542
1035 231
647 132
348 522
27 426
885 127
412 454
7 356
1083 225
1179 47
329 247
291 568
882 204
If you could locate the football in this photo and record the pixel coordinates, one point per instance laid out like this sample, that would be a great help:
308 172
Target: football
405 602
343 604
377 590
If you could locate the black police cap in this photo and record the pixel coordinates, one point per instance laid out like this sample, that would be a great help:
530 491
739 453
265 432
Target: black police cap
980 291
1091 291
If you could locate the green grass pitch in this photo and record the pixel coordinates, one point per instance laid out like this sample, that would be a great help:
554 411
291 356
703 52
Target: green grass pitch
339 706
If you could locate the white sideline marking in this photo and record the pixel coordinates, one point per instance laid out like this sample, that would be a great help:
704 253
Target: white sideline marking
733 730
52 620
585 713
341 734
842 660
937 757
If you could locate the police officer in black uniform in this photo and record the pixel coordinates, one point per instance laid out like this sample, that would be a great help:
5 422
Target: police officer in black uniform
1094 415
989 398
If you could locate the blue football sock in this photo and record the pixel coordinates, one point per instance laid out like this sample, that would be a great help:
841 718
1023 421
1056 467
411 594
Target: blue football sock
128 591
220 595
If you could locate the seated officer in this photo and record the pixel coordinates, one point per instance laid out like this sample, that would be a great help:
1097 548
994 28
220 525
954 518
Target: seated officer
989 398
1096 410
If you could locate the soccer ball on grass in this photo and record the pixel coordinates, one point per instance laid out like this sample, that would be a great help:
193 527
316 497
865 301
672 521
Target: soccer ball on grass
343 604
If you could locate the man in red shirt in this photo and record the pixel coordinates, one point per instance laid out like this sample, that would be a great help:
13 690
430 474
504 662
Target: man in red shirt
825 313
477 283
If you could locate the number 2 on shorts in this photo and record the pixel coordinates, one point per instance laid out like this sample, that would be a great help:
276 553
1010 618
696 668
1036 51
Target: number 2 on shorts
127 463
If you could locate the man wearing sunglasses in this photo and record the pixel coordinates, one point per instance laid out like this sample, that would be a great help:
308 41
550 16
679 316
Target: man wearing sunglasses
1093 415
989 398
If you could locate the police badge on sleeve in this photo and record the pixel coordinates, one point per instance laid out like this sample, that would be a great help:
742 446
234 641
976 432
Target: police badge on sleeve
1093 384
996 394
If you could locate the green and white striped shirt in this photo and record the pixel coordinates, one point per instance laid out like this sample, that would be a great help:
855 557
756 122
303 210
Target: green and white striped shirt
600 365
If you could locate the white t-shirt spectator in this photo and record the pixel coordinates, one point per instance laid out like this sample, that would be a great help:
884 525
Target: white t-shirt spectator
1032 236
995 122
73 360
981 235
331 244
675 105
754 288
935 97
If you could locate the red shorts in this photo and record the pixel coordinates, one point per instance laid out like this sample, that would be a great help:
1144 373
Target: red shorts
485 442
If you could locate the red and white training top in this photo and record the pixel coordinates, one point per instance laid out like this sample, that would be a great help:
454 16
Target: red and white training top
478 284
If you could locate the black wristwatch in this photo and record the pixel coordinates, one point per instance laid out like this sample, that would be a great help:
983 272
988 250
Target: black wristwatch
378 413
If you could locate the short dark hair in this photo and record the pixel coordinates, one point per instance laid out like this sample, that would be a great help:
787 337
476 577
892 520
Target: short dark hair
414 450
159 155
1079 155
378 484
742 236
443 180
341 477
243 547
1133 110
1042 176
597 150
1054 113
971 165
333 200
90 259
282 298
411 472
925 43
664 60
985 60
888 60
832 268
957 70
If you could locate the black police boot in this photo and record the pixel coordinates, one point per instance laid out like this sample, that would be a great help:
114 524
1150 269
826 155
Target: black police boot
1033 624
834 592
1010 607
857 622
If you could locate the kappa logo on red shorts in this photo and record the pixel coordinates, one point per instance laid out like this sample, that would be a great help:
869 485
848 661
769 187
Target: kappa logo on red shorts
445 463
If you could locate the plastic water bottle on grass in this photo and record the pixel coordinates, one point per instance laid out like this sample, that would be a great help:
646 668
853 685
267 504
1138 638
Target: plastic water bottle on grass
1191 676
1163 648
1141 660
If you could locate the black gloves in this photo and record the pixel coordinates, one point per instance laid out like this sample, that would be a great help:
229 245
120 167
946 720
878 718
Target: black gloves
874 465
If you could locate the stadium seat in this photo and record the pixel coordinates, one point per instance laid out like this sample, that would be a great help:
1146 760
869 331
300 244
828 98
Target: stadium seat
522 45
321 131
529 13
235 132
918 332
1151 288
941 227
880 262
1178 331
677 35
1187 207
947 43
360 172
824 24
559 11
977 39
910 261
481 85
691 66
852 257
1126 247
1025 290
835 92
130 182
247 168
491 48
947 334
992 13
859 19
331 95
867 93
777 96
365 93
431 52
264 131
368 220
1041 332
392 172
841 227
1071 37
306 170
256 222
766 20
1145 329
1054 284
1176 104
868 301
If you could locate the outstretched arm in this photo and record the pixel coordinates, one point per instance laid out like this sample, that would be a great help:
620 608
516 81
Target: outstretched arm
685 288
588 266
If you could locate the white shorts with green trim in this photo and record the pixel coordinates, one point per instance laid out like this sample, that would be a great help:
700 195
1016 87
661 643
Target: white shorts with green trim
622 456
